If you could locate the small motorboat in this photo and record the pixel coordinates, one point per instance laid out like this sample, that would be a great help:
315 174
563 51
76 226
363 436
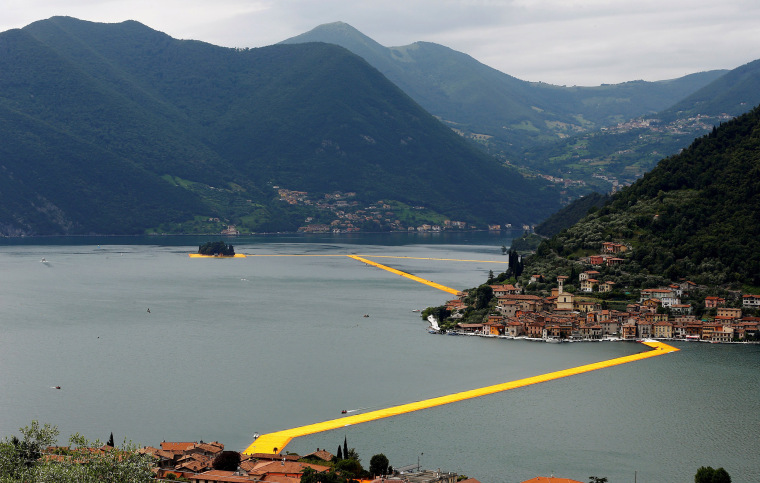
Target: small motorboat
344 411
366 315
57 387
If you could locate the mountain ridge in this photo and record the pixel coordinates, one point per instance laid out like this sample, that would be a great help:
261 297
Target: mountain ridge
212 130
484 103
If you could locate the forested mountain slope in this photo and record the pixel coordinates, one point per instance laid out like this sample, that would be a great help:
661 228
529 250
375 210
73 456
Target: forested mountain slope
696 215
118 128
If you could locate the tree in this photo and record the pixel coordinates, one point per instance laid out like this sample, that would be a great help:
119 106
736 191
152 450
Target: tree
483 295
706 474
378 465
226 461
345 446
22 459
339 455
110 441
216 248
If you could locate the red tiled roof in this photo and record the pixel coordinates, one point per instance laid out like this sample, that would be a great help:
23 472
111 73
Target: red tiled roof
287 467
177 446
550 479
220 476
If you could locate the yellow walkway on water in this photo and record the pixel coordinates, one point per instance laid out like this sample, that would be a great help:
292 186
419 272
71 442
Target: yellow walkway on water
275 442
198 255
407 275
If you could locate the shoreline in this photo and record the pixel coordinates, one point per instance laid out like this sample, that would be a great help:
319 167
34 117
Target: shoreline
607 339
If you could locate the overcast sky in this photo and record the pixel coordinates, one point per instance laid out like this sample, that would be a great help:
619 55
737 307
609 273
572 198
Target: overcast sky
564 42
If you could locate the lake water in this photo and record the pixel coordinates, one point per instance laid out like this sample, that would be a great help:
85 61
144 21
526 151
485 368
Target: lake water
233 347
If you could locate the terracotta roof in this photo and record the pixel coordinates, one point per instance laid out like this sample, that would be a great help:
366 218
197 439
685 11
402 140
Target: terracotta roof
286 467
212 448
274 457
550 479
221 476
177 446
280 479
321 454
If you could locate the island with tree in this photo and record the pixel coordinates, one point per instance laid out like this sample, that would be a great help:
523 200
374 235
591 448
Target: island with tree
216 249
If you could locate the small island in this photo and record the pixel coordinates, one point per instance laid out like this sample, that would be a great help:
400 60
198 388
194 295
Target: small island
216 249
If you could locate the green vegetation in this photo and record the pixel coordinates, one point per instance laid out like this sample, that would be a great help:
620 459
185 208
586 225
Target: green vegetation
569 215
217 248
346 467
710 475
120 129
25 459
694 216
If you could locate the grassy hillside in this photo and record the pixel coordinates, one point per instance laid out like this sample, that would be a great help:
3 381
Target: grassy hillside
117 128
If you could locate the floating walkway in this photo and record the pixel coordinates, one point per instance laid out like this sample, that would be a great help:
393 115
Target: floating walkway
198 255
404 274
273 443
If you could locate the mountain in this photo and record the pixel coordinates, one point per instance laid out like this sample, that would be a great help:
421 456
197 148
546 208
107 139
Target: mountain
696 215
118 128
628 150
504 113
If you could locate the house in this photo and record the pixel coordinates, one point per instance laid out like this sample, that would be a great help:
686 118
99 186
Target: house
291 469
606 286
592 332
751 301
666 296
678 309
588 284
502 290
515 328
729 312
644 328
609 247
614 261
596 259
609 327
628 331
586 306
662 330
536 278
713 302
588 274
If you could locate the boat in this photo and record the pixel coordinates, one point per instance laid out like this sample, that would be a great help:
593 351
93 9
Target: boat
416 310
57 387
343 411
366 315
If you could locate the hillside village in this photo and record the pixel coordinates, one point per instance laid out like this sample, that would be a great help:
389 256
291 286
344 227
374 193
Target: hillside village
584 314
342 212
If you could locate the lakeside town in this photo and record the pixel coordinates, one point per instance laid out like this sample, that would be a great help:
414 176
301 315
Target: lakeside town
583 315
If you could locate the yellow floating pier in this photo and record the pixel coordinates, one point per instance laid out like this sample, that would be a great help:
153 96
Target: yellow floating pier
275 442
198 255
407 275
